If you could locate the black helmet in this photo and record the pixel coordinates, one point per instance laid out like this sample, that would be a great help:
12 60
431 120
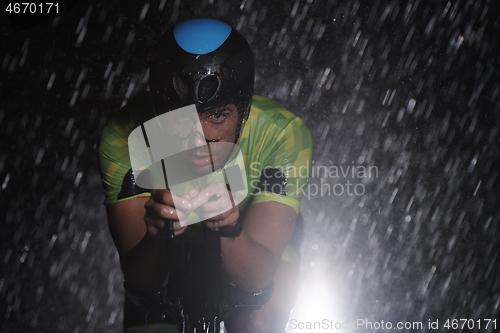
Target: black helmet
203 62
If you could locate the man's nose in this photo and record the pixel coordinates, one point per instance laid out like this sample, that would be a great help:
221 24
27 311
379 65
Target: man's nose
197 138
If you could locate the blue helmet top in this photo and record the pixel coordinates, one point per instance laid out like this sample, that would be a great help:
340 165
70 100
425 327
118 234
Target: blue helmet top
201 36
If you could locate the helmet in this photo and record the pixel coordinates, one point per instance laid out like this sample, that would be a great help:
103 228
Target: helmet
203 62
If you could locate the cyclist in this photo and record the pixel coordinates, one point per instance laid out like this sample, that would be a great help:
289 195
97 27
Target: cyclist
209 64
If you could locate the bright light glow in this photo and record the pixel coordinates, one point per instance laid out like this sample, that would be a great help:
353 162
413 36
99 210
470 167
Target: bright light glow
318 299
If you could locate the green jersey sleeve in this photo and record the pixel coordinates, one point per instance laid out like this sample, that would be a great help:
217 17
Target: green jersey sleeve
114 158
274 138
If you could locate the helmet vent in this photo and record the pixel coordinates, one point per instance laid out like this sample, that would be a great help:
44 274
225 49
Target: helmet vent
207 88
181 85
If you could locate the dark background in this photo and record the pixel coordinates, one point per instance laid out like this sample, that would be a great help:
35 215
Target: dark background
409 87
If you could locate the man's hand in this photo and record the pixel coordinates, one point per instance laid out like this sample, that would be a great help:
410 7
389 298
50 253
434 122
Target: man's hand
160 208
214 205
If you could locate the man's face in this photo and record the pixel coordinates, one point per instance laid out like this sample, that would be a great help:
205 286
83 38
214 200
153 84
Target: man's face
220 124
208 142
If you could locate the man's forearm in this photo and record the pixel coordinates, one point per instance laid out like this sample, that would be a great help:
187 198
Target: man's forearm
248 264
145 266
